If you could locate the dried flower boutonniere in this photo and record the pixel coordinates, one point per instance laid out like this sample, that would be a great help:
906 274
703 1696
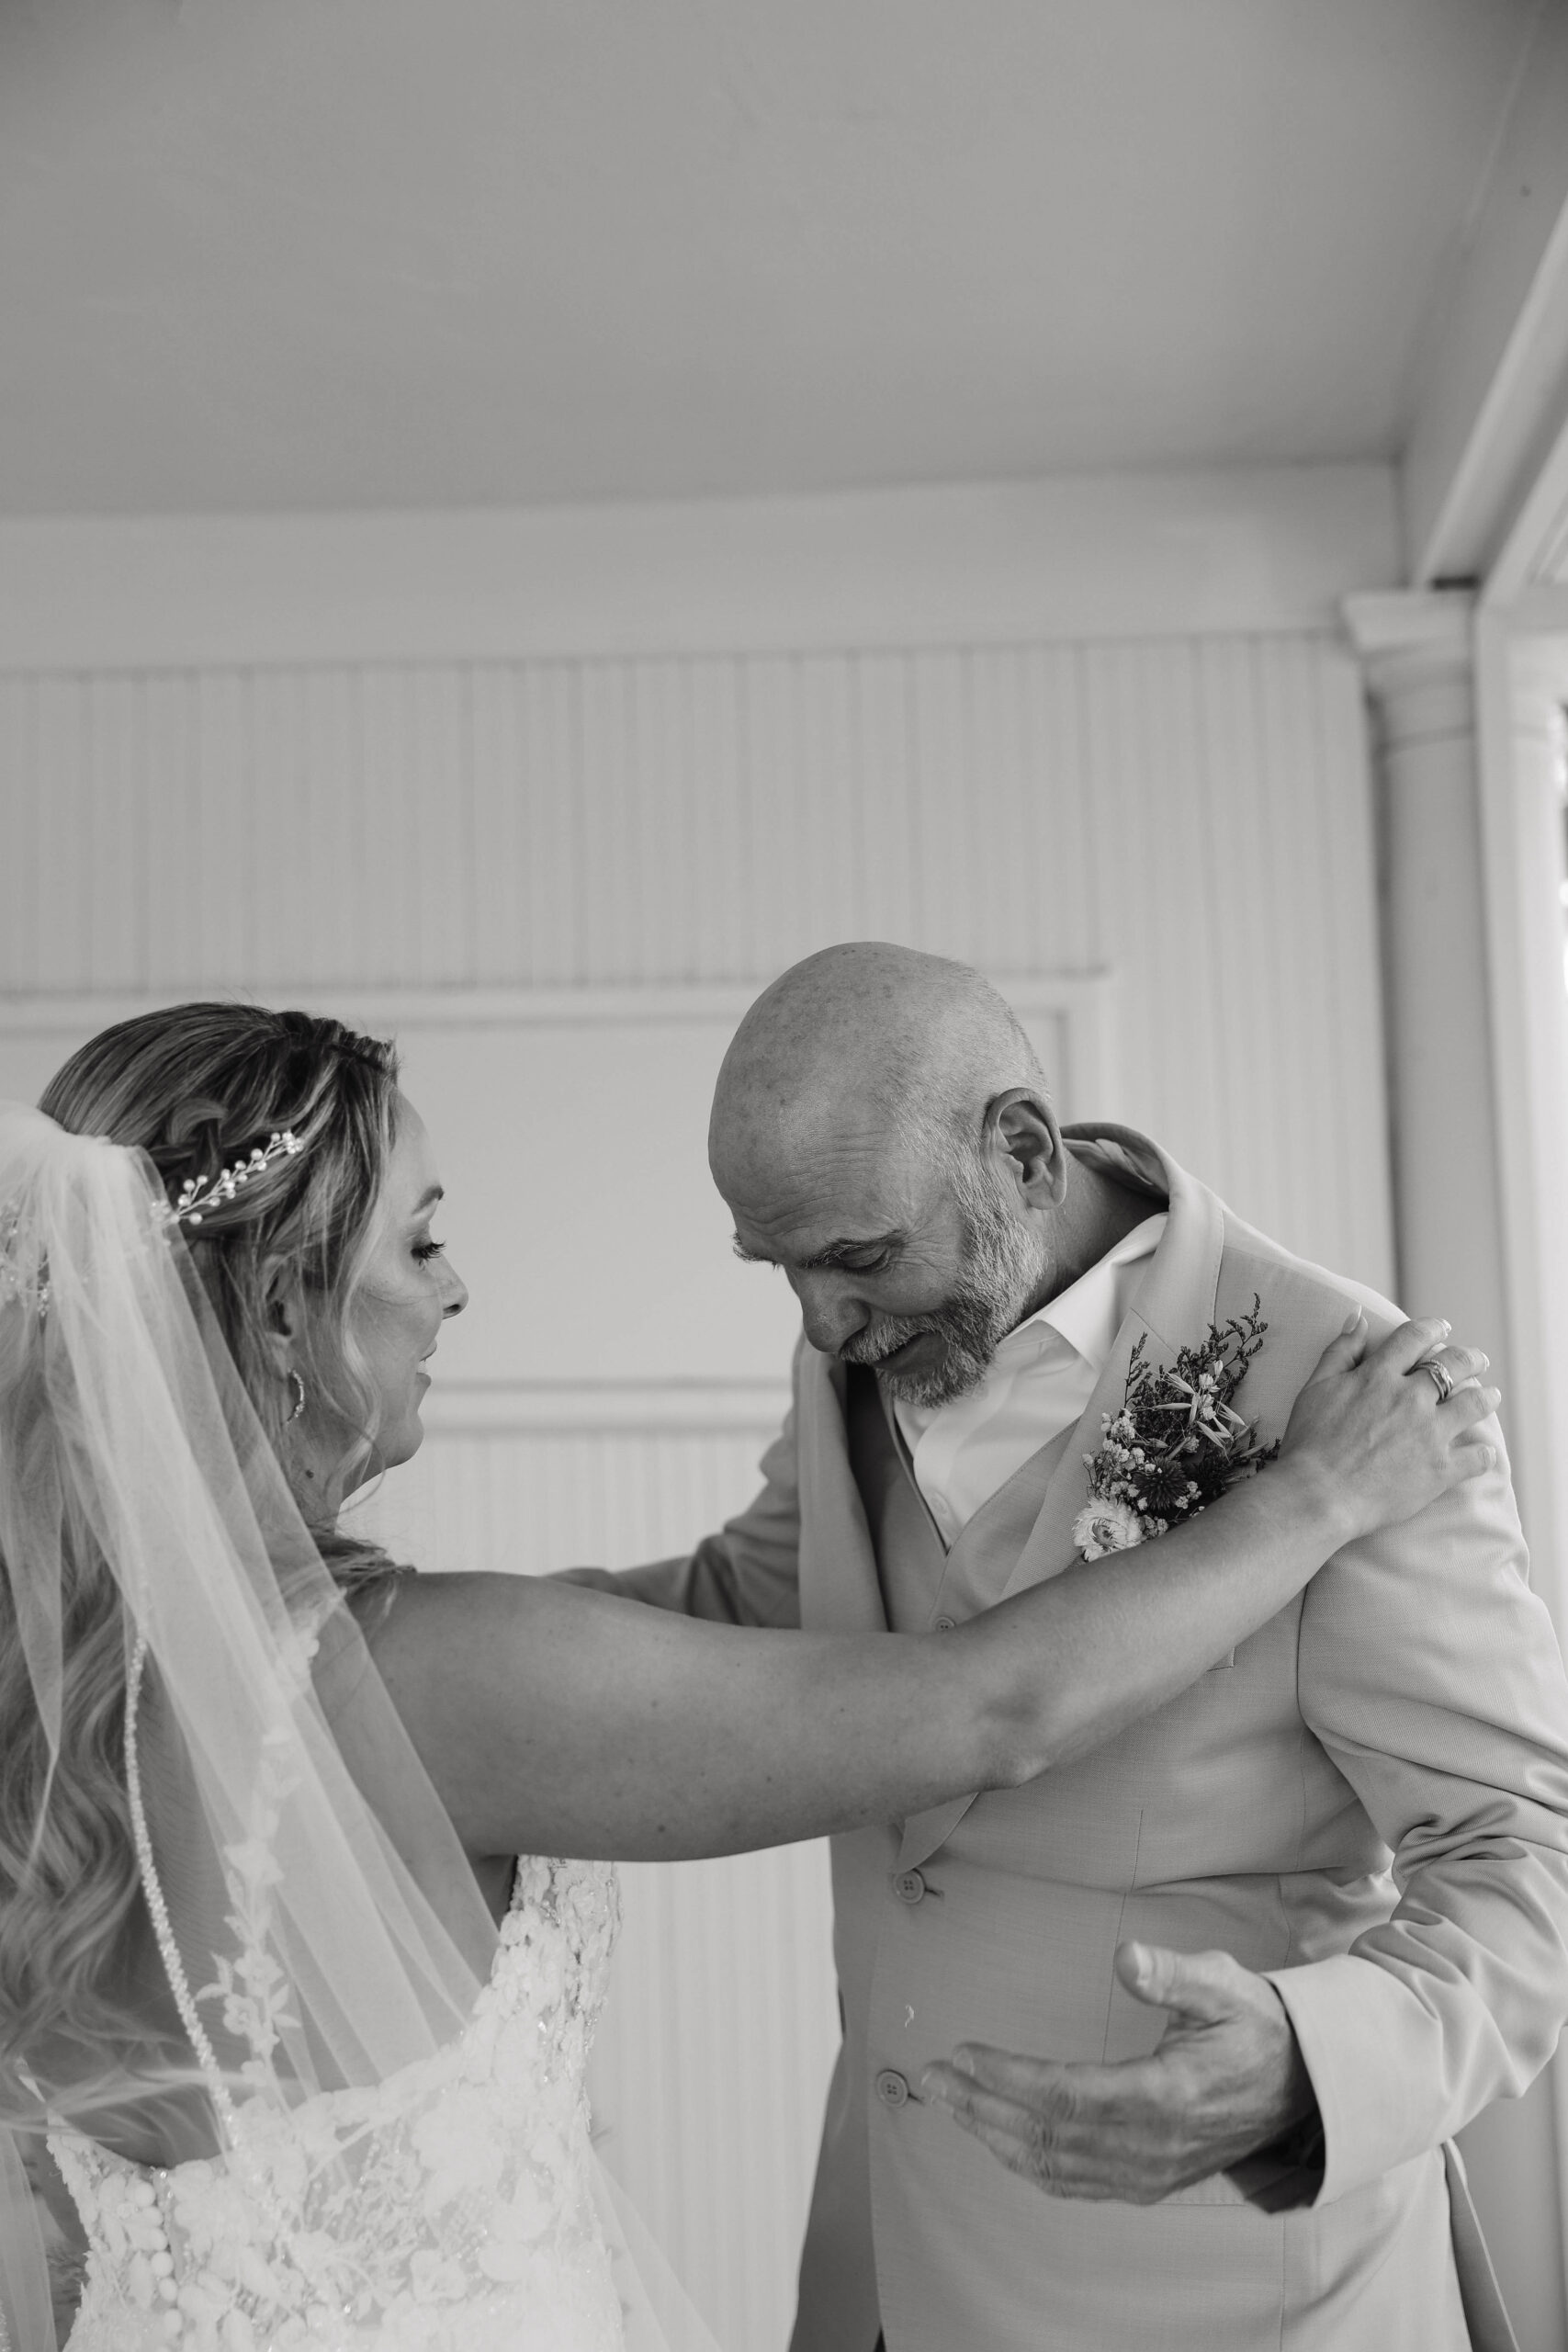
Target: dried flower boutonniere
1177 1443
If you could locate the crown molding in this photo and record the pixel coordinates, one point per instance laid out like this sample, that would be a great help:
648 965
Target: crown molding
1127 556
512 1409
1435 621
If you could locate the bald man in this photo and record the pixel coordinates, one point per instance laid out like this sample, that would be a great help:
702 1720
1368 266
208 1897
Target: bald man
1163 2050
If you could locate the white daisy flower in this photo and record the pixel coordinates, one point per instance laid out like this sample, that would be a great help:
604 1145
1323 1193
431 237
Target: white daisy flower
1102 1527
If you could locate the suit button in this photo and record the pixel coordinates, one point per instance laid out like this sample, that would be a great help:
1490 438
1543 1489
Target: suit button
891 2088
909 1886
945 1624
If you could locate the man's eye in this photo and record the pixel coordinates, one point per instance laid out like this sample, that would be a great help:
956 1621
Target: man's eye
868 1265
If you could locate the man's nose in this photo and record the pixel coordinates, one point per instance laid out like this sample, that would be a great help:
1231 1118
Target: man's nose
830 1310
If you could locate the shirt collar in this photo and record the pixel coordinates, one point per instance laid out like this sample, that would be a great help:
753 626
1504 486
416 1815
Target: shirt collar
1087 1314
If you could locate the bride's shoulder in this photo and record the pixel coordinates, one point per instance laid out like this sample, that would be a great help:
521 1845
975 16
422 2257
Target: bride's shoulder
443 1604
500 1683
471 1631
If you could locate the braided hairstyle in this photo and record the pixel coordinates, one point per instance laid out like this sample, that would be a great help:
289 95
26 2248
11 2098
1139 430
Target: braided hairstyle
198 1088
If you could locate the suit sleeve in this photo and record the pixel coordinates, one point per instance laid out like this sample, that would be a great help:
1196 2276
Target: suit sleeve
1431 1674
749 1574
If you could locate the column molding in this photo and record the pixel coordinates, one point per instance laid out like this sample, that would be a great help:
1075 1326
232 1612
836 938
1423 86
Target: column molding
1417 651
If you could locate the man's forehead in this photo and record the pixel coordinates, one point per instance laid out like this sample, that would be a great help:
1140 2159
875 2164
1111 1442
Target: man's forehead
792 1217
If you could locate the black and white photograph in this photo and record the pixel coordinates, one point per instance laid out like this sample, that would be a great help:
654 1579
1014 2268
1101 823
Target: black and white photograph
783 1175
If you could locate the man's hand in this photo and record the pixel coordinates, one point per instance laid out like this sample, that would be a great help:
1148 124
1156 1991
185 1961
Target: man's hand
1226 2079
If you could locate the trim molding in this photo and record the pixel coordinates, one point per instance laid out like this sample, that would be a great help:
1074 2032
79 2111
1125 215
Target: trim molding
1242 550
597 1407
1082 1001
1085 998
47 1013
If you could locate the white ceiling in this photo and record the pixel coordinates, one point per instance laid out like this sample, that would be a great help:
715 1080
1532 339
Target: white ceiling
292 254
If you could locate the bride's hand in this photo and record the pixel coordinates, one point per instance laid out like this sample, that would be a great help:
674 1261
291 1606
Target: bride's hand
1371 1437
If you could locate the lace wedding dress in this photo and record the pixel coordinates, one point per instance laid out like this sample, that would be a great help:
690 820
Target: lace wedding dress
458 2207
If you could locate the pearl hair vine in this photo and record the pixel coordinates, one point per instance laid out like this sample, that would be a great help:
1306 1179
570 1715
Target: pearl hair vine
200 1195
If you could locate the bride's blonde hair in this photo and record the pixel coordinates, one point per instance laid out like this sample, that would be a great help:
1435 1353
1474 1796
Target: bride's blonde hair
197 1087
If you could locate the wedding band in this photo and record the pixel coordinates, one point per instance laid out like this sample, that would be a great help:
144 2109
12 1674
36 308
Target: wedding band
1442 1378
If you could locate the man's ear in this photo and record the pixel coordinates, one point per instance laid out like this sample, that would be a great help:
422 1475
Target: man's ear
1020 1129
283 1312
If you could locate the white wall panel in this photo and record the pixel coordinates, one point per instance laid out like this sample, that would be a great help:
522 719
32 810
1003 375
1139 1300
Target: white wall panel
530 1501
722 1982
571 1132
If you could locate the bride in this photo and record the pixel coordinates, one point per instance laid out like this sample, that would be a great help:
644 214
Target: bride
286 1984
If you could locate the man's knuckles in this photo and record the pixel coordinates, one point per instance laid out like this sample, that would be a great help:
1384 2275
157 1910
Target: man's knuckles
1057 2106
1027 2152
1144 2183
1040 2158
1152 2187
1051 2093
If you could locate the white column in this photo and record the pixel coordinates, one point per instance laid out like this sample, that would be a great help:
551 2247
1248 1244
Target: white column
1520 2161
1418 661
1454 857
1523 684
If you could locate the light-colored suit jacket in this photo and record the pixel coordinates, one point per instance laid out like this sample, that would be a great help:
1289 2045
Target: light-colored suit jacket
1368 1802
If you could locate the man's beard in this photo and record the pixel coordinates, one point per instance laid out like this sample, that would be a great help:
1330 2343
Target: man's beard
1000 1273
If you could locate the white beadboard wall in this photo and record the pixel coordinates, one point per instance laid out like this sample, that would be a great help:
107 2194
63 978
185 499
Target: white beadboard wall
1170 789
1191 815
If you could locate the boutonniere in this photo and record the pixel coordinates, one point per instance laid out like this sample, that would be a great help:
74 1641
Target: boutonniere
1177 1443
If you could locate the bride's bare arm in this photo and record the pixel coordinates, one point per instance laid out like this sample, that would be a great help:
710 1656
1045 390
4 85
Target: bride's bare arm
557 1720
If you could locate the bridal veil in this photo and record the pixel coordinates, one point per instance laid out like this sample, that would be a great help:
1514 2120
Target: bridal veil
316 1918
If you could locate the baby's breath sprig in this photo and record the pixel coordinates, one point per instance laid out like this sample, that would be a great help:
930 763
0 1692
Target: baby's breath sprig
199 1195
1177 1443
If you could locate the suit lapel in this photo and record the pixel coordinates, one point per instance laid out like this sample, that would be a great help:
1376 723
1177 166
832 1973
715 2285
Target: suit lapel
1050 1548
1176 1304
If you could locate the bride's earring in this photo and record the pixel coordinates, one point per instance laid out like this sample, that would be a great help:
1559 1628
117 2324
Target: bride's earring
298 1385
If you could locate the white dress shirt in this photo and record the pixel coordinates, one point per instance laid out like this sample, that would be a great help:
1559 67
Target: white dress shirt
1039 1384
